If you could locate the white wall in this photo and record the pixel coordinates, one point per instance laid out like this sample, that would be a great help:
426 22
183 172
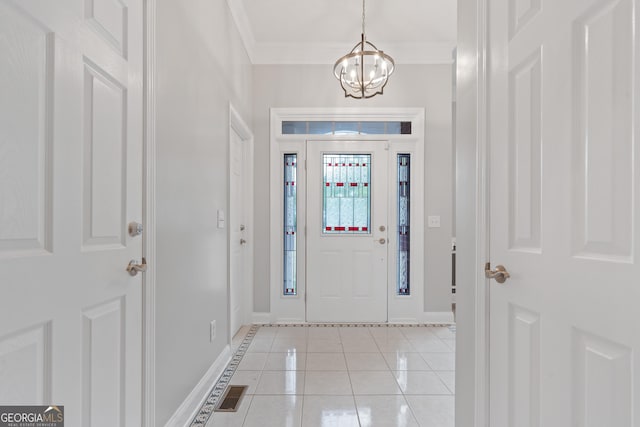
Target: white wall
427 86
201 67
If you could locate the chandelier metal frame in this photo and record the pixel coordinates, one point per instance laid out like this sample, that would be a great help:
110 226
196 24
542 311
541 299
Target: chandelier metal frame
364 71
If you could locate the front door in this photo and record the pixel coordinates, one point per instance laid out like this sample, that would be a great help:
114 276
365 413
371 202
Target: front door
70 183
347 231
564 91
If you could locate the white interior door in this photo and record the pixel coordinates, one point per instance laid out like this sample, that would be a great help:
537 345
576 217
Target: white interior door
564 213
70 182
347 231
237 233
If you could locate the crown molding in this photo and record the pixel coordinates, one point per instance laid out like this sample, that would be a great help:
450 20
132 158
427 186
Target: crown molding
294 53
239 14
328 53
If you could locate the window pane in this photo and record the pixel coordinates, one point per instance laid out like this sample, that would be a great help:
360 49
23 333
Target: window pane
404 182
347 194
290 224
320 128
372 128
294 128
346 128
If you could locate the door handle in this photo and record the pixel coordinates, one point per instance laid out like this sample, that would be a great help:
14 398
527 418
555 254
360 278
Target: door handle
134 268
243 242
500 273
382 241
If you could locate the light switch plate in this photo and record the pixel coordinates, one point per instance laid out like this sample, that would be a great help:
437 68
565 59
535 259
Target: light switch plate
434 221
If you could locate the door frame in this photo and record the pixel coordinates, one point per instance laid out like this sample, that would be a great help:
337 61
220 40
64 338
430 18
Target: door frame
239 126
292 309
149 215
472 215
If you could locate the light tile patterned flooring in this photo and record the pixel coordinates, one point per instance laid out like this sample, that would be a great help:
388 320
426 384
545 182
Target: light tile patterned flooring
345 376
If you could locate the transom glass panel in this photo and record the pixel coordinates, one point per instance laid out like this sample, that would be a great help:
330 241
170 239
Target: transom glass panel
346 207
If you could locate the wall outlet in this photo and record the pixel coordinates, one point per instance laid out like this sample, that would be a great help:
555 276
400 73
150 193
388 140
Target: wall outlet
212 331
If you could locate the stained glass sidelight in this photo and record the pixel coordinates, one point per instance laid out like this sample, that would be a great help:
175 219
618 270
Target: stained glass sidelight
290 282
404 199
346 207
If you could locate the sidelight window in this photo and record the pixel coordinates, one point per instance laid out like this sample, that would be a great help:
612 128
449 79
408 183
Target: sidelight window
404 200
290 282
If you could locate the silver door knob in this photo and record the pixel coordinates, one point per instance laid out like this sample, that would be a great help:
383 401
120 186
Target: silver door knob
500 273
243 242
135 229
134 268
382 240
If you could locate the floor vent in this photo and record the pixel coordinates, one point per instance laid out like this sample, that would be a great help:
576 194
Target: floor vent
231 398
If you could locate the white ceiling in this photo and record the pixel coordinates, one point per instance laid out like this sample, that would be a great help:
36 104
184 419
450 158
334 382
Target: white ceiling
320 31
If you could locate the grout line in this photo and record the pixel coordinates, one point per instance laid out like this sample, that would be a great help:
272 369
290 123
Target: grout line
219 387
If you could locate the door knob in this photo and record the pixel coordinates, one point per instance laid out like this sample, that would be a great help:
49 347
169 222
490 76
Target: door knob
500 273
242 227
243 242
382 240
134 268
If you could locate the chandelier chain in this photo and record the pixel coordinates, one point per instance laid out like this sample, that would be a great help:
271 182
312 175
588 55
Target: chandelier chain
363 15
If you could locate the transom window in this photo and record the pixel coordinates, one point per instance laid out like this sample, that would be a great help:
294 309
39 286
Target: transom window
345 128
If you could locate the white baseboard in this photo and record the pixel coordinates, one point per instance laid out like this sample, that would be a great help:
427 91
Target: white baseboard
437 317
289 320
188 409
403 320
258 317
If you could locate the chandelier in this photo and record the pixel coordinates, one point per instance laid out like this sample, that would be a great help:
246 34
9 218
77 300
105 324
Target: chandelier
363 72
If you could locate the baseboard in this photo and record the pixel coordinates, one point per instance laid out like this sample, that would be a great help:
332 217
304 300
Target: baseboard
403 321
437 317
189 408
289 320
259 318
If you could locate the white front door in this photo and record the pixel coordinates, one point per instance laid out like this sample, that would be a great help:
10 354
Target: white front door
564 205
347 211
70 182
237 232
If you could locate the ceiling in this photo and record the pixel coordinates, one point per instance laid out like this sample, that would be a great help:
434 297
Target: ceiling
320 31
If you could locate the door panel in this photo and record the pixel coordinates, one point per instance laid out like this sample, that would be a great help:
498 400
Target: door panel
346 258
70 182
563 208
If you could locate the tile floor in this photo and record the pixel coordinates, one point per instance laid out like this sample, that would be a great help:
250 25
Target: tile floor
345 376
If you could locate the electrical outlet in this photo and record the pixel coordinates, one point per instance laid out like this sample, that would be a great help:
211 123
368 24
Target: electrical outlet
212 331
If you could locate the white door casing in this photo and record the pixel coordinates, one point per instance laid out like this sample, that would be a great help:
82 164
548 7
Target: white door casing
237 228
347 273
240 221
288 309
71 181
564 203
